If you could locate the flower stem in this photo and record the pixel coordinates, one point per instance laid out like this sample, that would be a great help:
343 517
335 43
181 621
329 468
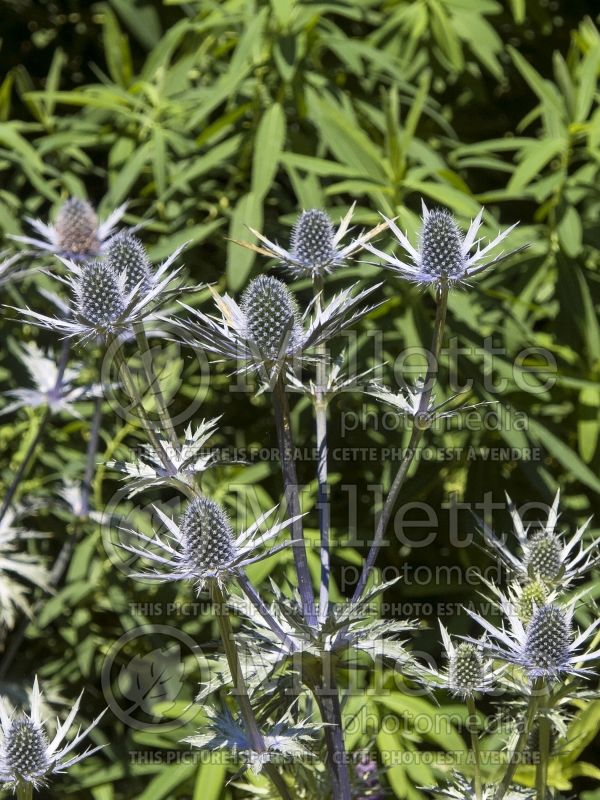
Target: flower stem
541 773
327 696
24 791
321 403
154 384
516 755
135 397
26 462
241 693
262 609
419 427
475 746
290 482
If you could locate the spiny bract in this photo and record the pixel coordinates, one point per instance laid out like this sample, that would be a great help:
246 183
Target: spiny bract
100 294
207 534
272 318
25 748
127 254
77 227
441 246
312 239
548 637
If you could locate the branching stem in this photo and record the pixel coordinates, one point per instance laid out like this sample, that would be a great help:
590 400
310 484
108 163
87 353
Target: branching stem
419 426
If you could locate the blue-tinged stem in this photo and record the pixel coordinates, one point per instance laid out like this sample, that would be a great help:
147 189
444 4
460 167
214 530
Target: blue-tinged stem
154 384
516 756
420 424
290 483
256 738
541 774
321 403
475 746
26 463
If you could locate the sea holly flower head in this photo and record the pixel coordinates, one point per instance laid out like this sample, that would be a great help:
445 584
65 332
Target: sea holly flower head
547 646
272 318
266 333
545 554
469 670
54 387
444 256
27 754
77 233
126 254
316 247
202 546
102 305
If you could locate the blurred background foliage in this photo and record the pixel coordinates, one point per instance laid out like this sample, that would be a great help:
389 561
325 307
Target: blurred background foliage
213 116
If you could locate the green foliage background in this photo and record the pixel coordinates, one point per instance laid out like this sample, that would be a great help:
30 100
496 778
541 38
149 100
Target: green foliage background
211 116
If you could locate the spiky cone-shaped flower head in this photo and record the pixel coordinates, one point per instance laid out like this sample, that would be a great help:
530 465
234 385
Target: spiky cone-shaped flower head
208 538
100 294
466 672
127 254
312 242
532 753
272 318
442 255
77 228
26 750
532 596
547 641
544 556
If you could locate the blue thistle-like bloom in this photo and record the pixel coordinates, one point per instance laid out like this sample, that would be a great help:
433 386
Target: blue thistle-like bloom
207 535
101 295
54 387
313 240
127 254
77 232
548 636
546 554
444 257
27 755
265 333
316 247
469 670
272 318
77 227
546 647
202 546
107 300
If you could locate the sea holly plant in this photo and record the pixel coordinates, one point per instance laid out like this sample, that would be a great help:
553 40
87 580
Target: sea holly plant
287 652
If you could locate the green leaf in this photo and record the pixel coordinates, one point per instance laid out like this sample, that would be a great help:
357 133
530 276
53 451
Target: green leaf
210 782
570 232
268 146
120 187
588 424
534 159
247 213
166 781
564 454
